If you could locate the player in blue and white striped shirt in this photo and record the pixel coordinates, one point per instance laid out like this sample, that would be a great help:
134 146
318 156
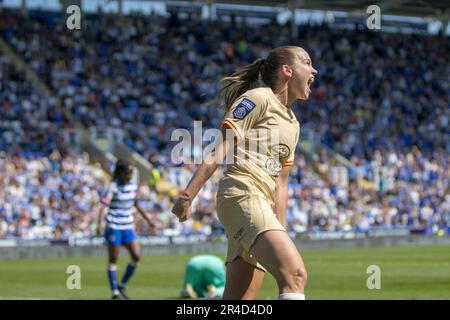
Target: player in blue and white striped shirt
120 198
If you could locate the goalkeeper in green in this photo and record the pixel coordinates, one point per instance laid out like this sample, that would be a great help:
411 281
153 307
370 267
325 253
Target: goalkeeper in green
204 277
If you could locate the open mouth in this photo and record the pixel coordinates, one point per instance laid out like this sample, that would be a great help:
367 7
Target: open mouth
310 82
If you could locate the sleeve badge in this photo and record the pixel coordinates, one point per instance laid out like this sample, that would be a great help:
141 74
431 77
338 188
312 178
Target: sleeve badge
243 109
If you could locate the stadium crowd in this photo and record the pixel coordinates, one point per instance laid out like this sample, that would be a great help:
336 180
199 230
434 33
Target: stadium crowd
29 122
58 196
381 100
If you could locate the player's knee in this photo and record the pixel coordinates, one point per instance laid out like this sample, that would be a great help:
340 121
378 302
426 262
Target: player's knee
298 277
301 276
136 258
294 279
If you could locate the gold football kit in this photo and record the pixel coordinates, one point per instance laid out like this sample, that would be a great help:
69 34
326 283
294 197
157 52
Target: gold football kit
267 133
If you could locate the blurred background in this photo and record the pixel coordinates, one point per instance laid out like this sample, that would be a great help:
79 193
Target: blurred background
373 157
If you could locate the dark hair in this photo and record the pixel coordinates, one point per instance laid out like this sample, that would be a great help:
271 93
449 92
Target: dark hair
120 167
247 77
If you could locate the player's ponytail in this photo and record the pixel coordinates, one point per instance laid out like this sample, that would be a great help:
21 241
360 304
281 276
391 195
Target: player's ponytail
245 78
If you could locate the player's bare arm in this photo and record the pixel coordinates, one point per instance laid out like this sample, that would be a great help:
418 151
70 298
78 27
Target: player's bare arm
146 217
101 216
191 292
209 165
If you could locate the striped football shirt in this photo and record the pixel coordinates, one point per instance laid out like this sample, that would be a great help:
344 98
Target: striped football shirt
120 199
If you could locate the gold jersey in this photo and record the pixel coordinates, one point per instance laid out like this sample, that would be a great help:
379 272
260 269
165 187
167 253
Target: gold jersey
267 135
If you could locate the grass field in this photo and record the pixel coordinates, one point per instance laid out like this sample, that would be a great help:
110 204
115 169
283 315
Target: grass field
406 273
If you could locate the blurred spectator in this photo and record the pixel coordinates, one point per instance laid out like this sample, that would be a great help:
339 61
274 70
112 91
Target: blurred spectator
381 100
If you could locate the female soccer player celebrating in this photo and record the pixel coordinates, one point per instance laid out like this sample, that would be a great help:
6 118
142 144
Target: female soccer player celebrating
120 199
252 195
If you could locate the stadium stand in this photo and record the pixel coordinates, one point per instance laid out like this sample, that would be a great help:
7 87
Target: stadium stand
380 100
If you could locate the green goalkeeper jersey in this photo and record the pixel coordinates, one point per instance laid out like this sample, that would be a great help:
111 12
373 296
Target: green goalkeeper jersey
204 270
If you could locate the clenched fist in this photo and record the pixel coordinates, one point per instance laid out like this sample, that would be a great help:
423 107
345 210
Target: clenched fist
182 207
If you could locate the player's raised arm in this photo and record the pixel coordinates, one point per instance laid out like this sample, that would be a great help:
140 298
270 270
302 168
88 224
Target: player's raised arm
151 225
105 201
182 207
101 216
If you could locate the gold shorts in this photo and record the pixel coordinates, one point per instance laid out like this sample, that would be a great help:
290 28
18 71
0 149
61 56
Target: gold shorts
244 213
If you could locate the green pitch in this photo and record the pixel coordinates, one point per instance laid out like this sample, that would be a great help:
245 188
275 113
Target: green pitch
406 273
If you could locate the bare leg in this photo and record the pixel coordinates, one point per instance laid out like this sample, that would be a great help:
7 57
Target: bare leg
134 250
135 254
113 254
243 281
279 255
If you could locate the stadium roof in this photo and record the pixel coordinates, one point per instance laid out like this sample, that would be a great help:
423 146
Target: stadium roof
417 8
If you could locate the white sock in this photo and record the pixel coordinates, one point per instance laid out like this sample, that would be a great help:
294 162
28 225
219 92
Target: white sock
292 296
112 267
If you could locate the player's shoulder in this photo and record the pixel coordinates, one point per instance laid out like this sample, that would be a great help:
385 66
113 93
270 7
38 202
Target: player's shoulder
259 96
253 99
113 184
131 186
